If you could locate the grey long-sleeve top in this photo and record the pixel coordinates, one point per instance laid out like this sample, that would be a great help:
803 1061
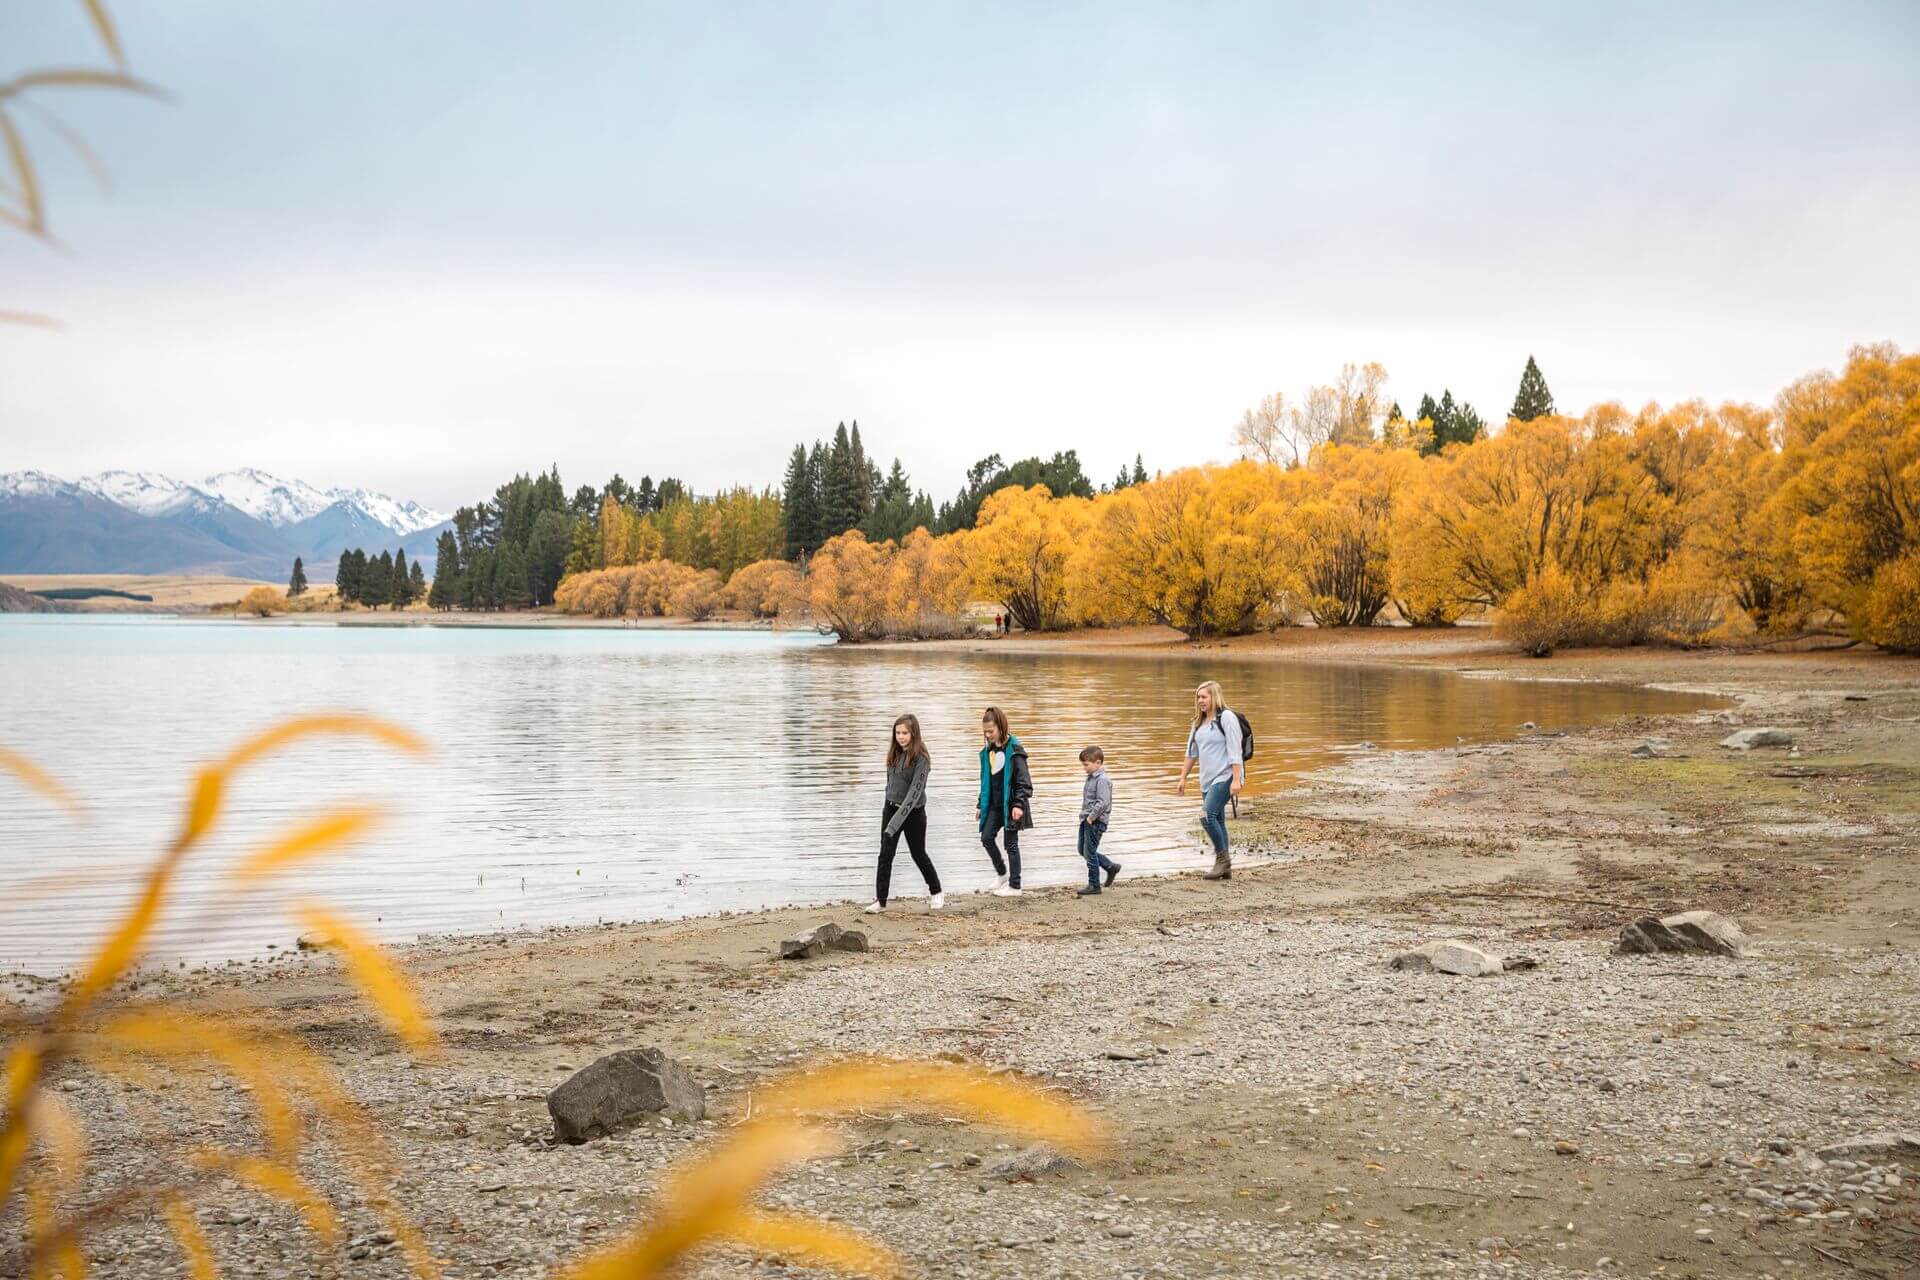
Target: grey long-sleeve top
907 788
1096 797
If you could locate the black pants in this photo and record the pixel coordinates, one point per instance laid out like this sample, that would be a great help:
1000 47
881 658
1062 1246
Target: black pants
994 824
915 830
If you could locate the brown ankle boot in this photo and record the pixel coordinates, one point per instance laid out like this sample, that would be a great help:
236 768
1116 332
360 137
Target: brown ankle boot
1222 868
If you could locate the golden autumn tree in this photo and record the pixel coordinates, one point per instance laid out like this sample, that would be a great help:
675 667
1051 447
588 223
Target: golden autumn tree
1203 550
1852 446
765 588
1551 490
928 583
1020 549
1747 546
1342 523
847 583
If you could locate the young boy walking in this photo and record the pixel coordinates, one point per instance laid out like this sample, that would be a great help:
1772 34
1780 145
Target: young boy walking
1096 808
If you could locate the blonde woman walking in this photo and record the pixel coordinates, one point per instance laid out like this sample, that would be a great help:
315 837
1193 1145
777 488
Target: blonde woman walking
1214 744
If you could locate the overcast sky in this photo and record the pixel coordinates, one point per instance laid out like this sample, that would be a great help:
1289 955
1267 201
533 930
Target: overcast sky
418 246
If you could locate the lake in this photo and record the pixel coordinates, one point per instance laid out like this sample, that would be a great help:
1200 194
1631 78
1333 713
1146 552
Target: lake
610 774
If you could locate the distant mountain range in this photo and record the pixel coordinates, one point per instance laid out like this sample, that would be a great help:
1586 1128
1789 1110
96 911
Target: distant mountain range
244 523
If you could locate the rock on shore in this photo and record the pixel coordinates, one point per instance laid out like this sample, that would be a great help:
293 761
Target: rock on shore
1705 932
621 1088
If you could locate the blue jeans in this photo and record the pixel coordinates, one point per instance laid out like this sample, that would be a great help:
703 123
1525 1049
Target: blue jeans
1090 833
1213 813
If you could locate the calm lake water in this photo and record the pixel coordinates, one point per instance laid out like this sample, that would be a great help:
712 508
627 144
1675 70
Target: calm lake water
597 774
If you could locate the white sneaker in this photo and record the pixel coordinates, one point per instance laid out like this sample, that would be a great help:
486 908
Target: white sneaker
1006 891
937 902
999 884
875 908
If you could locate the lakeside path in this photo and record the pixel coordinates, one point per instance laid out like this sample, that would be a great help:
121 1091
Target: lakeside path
1283 1104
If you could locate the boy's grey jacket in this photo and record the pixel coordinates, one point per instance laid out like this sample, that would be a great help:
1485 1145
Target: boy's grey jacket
1096 797
906 787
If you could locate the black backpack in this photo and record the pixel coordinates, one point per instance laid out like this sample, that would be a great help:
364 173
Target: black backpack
1246 732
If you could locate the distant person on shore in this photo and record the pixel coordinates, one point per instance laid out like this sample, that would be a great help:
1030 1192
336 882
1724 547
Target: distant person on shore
1214 744
1006 798
1096 808
908 764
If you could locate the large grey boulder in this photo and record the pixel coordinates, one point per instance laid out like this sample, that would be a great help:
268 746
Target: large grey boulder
621 1088
1462 959
828 937
1700 932
1748 739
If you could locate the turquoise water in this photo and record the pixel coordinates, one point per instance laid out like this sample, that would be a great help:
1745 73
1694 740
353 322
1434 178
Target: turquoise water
613 774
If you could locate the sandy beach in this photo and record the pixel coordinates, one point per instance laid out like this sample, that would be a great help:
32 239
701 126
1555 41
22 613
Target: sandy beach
1282 1102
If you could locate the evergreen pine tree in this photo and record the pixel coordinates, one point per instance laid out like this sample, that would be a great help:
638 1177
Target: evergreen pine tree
1139 470
416 582
347 575
845 479
446 574
799 505
400 595
376 582
476 584
865 477
1468 426
297 584
1533 400
817 479
1444 416
511 591
547 548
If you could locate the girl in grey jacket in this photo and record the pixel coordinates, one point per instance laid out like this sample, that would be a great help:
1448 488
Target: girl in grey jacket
905 811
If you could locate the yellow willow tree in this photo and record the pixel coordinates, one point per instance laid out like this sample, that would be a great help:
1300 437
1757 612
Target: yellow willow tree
928 583
1342 523
847 582
765 588
1852 445
1423 572
1548 491
1020 550
1206 551
1747 545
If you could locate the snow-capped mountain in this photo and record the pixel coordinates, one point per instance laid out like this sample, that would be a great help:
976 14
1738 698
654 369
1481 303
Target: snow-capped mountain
148 492
401 517
279 502
244 521
268 497
34 484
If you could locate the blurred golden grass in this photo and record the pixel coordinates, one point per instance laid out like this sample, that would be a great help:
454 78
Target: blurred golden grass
296 1094
23 204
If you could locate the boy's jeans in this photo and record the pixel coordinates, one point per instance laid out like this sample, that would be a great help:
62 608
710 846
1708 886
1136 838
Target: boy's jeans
1213 813
1090 833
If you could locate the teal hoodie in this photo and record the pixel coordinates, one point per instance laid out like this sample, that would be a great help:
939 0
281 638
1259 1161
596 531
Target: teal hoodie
1016 783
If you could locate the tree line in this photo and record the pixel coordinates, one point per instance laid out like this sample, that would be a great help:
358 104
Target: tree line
1687 525
386 579
833 486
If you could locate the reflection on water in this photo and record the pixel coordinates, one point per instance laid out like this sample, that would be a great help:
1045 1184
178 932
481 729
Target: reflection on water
585 775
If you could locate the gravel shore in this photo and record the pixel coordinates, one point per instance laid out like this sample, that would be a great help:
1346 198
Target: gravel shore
1282 1103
